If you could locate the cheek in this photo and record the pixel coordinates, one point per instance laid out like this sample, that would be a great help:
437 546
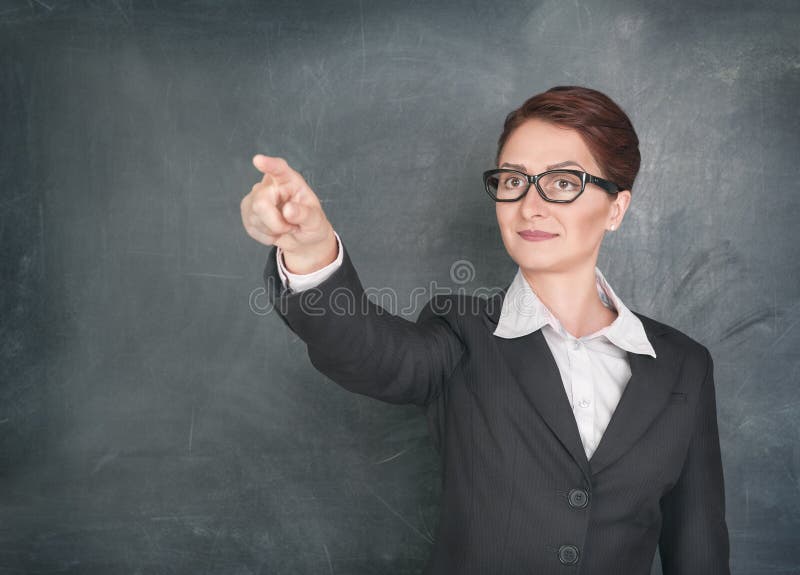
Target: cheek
586 225
505 216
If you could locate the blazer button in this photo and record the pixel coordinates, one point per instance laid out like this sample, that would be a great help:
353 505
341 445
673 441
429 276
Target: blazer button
568 554
578 498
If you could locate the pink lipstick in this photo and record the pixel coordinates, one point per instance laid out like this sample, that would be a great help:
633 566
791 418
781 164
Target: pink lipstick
536 235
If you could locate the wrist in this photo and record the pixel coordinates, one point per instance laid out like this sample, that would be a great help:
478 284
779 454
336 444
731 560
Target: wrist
313 258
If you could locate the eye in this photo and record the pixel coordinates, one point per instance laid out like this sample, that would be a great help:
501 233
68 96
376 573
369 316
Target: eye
565 185
512 181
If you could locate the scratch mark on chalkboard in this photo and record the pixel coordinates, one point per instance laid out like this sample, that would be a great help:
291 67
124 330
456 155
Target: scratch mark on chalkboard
153 544
4 420
316 128
747 505
119 8
578 17
729 75
328 557
719 259
399 516
789 328
363 49
191 431
745 382
406 98
747 421
774 309
789 407
753 318
396 455
424 523
108 457
216 539
232 134
40 3
791 476
268 64
150 253
207 275
42 252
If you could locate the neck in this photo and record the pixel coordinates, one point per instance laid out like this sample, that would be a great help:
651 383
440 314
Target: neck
571 296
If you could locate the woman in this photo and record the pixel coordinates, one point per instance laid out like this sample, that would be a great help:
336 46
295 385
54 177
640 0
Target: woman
576 435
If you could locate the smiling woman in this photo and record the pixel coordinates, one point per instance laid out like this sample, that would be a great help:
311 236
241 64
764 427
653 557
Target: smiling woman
573 431
560 267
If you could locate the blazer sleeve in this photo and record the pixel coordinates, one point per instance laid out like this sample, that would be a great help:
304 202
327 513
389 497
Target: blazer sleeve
694 534
361 346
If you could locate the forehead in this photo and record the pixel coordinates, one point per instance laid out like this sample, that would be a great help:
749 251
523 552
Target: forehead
536 144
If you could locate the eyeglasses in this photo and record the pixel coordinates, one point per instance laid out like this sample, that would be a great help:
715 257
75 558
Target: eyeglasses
557 186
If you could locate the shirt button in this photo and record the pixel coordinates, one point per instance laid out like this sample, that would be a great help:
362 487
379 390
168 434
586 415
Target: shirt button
584 403
568 554
576 344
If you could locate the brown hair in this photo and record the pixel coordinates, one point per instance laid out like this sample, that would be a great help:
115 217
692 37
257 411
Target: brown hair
601 123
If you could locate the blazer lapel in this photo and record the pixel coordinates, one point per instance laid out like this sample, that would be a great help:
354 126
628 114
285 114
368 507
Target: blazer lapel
532 363
647 392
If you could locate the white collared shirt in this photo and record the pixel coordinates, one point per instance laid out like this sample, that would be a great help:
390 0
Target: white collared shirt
594 368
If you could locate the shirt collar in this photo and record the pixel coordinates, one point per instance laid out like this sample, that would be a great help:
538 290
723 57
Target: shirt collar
523 313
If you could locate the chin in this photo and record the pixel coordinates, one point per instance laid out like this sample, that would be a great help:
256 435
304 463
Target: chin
533 256
538 266
535 262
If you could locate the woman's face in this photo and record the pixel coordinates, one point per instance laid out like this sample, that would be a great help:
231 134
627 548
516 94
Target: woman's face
578 226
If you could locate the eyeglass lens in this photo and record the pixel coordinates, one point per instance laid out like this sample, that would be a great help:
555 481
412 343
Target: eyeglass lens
555 185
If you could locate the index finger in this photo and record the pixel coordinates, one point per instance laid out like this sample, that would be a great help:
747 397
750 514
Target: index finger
277 168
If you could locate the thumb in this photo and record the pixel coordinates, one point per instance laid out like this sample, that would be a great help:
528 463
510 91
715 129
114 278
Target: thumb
297 214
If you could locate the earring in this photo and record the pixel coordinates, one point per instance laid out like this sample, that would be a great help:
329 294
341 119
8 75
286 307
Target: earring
613 227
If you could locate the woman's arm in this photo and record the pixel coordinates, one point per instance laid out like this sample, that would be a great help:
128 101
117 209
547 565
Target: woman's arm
363 347
694 534
352 340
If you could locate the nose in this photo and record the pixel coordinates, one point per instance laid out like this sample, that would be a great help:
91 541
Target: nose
533 204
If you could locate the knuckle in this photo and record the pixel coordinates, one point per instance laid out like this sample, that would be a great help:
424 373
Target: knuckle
271 222
256 222
261 205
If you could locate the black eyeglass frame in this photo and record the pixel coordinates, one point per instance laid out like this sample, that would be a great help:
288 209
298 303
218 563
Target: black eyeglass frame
607 186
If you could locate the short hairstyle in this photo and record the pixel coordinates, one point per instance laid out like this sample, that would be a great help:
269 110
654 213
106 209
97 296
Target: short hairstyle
604 127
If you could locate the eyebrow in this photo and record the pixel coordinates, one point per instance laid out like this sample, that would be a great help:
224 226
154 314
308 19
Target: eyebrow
551 167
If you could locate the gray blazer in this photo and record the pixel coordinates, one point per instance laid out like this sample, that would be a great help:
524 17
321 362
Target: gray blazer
518 493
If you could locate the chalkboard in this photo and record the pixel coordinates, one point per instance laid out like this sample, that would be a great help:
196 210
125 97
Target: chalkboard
156 418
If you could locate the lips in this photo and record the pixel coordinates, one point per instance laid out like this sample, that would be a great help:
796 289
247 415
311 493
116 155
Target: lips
536 235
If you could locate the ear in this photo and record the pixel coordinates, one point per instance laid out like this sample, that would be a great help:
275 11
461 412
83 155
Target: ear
619 206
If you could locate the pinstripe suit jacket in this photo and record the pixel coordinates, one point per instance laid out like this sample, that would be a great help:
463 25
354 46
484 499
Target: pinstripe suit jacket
518 493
